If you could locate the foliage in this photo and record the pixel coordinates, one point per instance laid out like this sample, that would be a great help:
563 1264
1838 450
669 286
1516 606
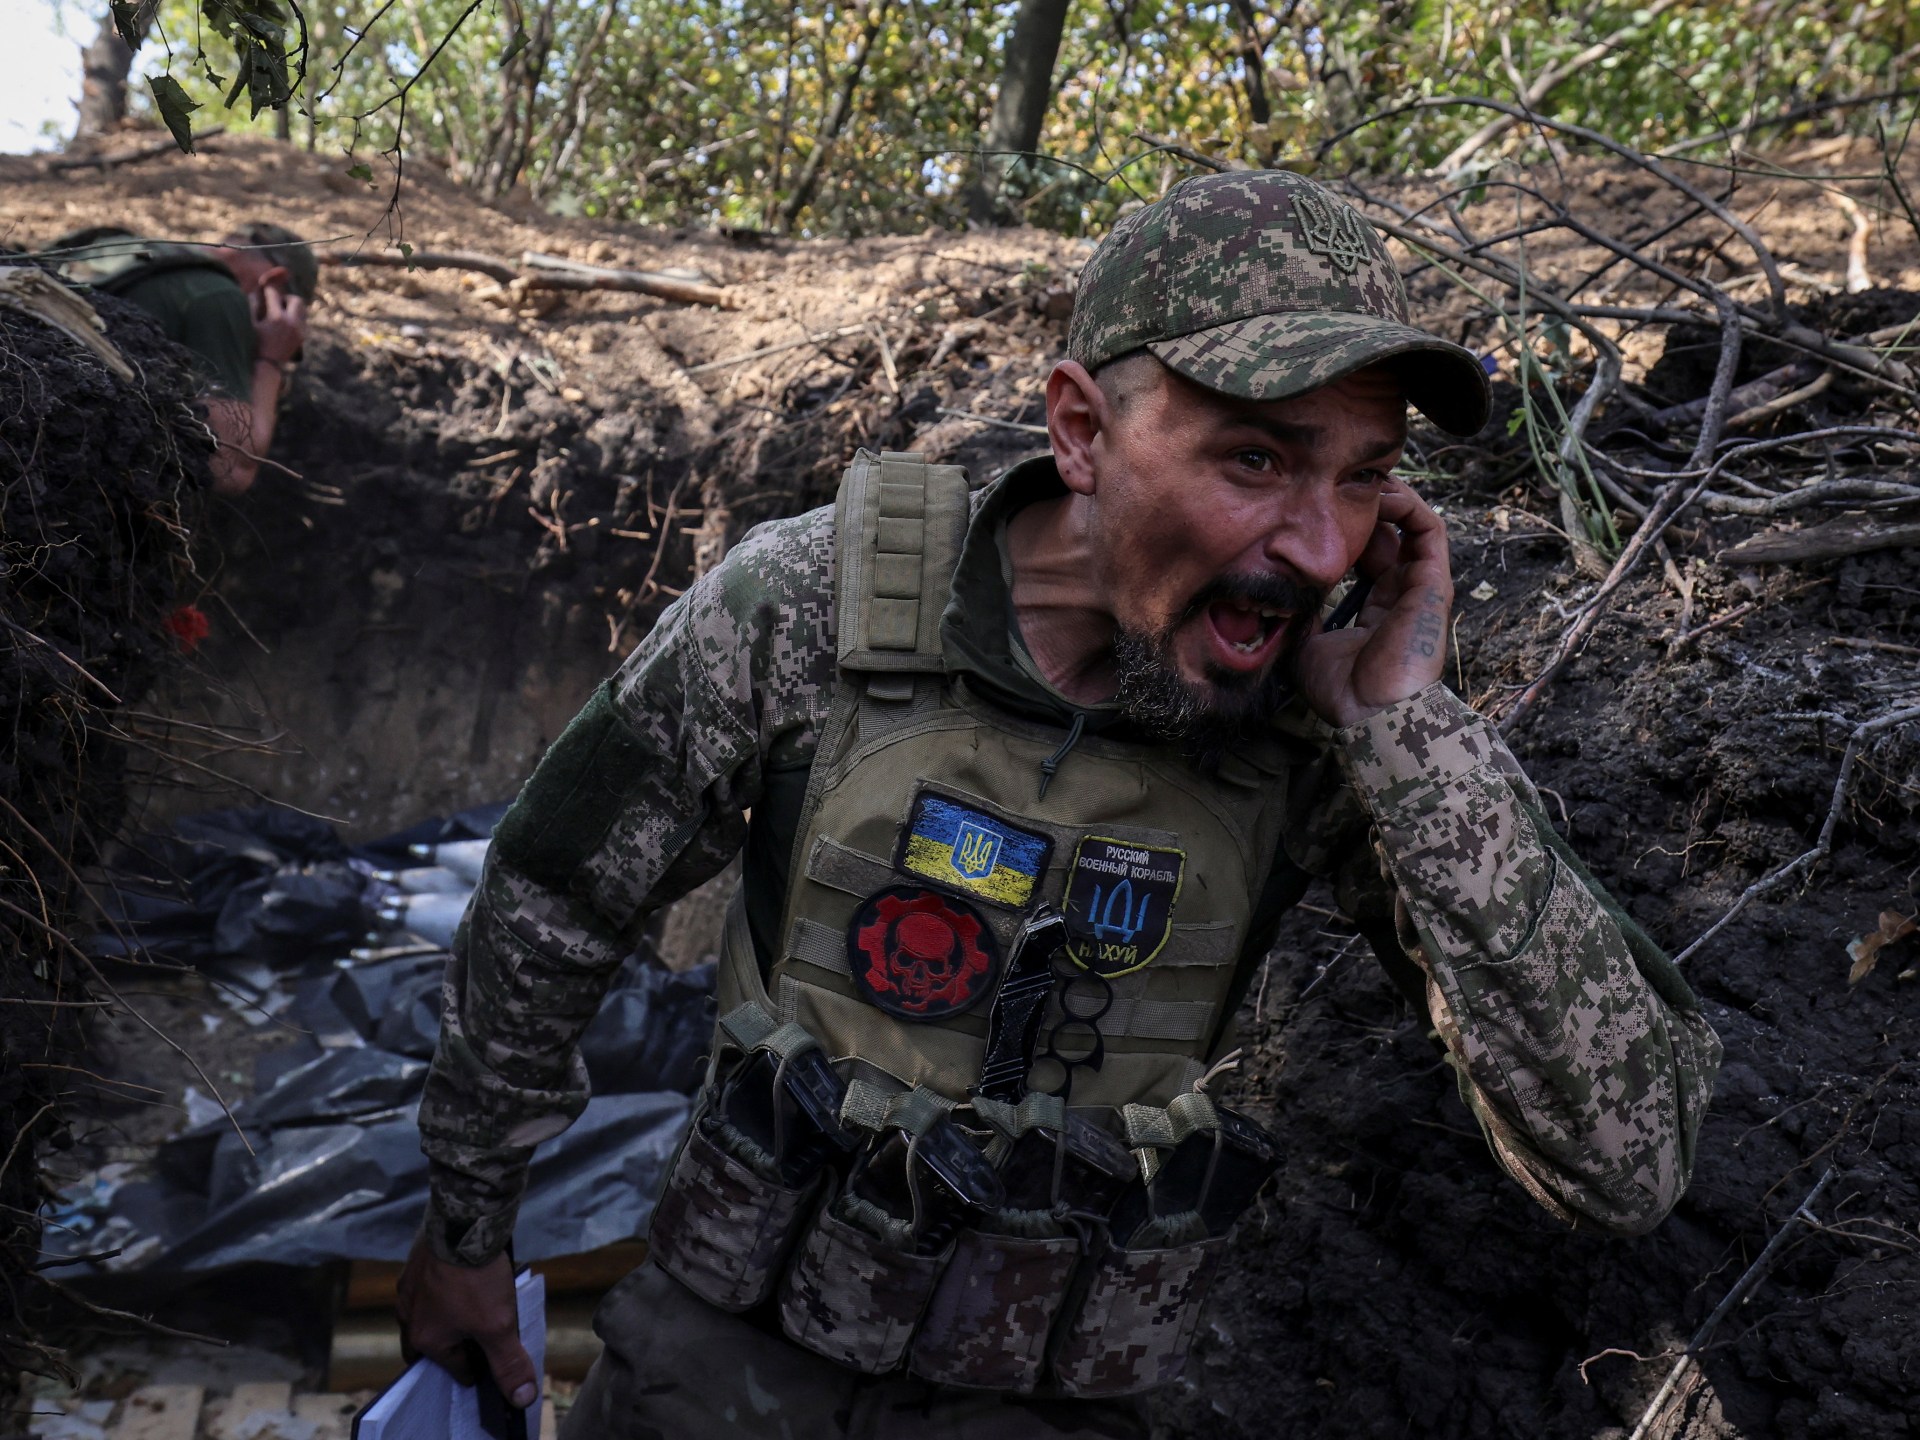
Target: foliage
707 111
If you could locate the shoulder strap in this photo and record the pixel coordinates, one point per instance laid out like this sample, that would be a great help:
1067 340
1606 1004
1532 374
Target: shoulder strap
114 260
900 523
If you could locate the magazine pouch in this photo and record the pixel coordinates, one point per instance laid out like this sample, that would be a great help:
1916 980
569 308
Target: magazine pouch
721 1229
1133 1330
853 1296
987 1324
727 1219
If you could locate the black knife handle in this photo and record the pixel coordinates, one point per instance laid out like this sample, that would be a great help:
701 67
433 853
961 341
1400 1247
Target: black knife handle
1020 1007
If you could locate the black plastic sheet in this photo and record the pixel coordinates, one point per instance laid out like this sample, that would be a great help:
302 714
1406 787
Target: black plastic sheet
331 1167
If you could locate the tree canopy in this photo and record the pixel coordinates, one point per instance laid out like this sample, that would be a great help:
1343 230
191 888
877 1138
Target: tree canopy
854 116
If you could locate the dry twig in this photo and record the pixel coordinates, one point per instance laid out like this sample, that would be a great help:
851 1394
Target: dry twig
1755 1273
1823 846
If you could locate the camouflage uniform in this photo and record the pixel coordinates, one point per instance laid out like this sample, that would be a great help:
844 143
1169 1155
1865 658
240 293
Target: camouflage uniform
1576 1043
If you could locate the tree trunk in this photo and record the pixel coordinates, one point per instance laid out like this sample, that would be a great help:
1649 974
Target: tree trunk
1019 110
104 65
1253 54
809 178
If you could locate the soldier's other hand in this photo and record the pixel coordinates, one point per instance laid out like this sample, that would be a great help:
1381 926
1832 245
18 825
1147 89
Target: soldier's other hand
442 1306
1398 644
279 324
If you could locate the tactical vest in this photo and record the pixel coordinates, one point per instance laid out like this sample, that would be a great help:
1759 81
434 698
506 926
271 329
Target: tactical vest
933 826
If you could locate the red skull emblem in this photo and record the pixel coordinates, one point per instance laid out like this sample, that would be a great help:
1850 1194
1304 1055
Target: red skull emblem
918 954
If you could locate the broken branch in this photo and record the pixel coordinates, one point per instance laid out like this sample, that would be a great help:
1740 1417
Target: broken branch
1807 859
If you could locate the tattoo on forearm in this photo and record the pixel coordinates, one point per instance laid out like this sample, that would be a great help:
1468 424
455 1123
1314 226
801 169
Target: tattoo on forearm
1429 628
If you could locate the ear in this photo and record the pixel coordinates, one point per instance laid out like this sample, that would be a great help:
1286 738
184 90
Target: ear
1077 415
277 277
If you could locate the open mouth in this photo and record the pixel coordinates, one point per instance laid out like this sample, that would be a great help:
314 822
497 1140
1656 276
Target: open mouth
1245 632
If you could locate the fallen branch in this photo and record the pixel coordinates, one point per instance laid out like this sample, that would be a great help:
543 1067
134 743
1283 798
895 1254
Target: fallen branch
1666 506
1763 1263
169 146
1780 404
1858 277
1858 488
558 274
1769 386
502 270
570 276
1857 534
1806 860
1686 638
766 350
993 420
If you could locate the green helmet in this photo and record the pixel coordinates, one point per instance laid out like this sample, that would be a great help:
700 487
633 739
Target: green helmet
280 246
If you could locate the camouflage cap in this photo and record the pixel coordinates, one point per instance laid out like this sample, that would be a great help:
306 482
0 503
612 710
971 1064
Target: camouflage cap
1263 285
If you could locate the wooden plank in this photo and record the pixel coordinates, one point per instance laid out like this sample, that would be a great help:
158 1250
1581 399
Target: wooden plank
371 1283
331 1415
256 1397
161 1412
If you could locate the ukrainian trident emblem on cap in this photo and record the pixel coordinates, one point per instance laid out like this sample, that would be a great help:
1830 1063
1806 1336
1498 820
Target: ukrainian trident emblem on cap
1332 229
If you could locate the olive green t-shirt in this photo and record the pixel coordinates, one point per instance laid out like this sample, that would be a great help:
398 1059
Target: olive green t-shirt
205 310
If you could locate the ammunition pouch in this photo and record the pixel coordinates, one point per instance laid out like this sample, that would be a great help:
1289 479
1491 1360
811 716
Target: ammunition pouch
994 1268
722 1228
1136 1318
854 1296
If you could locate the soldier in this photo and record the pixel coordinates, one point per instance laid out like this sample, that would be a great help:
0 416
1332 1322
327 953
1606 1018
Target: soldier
239 307
1025 780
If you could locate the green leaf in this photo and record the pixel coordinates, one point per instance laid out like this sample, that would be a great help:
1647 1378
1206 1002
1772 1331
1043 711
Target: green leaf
406 254
514 46
175 106
362 171
126 22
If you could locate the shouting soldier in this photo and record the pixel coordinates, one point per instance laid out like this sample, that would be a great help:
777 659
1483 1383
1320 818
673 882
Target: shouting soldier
1025 779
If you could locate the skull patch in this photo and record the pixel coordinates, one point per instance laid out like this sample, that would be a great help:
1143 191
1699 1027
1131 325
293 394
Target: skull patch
921 955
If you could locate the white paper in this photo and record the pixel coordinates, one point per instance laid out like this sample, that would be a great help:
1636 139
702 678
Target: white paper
427 1403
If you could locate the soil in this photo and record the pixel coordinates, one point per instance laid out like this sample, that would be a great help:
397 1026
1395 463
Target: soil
1396 1284
95 474
395 633
517 491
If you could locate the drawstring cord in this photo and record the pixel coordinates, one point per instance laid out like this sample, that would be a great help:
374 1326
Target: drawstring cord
1050 766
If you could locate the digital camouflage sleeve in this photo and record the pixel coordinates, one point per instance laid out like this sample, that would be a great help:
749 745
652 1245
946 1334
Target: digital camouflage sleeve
1577 1045
641 799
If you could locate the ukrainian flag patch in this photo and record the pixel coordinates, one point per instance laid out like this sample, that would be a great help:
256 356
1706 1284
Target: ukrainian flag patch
967 849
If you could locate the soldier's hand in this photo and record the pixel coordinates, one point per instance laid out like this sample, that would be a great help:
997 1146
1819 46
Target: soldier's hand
279 324
442 1306
1398 644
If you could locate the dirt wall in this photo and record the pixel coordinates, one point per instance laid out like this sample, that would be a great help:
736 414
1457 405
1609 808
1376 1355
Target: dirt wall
385 652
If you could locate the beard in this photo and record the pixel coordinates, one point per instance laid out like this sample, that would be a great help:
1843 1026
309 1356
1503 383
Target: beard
1226 707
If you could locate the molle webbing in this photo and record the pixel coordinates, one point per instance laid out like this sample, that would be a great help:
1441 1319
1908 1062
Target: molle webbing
900 523
1036 1111
1151 1129
751 1027
876 1107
